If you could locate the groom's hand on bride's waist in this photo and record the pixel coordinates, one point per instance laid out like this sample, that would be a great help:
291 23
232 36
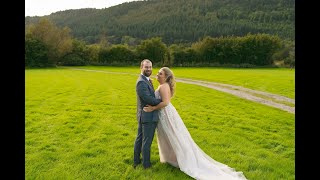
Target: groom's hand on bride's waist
148 108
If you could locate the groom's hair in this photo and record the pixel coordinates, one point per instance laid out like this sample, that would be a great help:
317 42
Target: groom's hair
145 60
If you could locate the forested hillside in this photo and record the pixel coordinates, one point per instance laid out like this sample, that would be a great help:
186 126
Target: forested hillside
178 21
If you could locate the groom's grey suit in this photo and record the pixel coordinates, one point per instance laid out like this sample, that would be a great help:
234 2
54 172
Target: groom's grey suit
147 121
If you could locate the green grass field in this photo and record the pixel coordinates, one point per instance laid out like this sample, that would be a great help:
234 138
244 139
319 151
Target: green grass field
82 125
279 81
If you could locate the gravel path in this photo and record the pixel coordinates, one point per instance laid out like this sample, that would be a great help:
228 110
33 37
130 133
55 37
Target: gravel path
272 100
245 93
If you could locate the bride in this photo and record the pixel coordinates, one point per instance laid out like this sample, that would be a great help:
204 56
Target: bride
175 143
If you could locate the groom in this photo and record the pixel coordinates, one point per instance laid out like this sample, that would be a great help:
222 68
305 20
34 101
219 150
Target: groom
147 121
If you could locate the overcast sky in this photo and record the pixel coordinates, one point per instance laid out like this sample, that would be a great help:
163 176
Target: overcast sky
46 7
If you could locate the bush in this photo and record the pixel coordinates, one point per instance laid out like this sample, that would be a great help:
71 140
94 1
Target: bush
36 53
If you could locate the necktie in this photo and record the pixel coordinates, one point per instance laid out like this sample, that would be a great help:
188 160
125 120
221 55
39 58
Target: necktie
151 83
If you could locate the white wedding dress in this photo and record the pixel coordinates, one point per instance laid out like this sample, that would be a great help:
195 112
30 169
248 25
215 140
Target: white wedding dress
177 148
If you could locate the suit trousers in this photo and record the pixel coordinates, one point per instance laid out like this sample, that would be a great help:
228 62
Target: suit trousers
143 142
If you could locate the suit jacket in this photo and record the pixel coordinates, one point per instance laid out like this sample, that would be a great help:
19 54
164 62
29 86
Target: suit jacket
145 95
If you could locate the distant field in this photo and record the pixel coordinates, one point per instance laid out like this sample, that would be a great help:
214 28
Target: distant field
279 81
82 125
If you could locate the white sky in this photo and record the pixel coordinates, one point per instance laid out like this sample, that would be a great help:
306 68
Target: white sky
46 7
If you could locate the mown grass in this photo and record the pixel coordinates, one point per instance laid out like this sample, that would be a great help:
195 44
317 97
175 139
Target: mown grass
82 125
279 81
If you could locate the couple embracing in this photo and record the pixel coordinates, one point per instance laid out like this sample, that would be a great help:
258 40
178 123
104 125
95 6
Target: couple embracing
176 146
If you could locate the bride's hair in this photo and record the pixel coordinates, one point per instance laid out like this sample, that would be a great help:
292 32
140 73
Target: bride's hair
170 79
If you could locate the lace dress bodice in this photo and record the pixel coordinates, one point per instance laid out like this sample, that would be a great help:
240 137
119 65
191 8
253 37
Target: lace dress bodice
157 94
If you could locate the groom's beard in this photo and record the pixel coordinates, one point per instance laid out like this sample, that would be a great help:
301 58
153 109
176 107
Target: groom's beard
147 73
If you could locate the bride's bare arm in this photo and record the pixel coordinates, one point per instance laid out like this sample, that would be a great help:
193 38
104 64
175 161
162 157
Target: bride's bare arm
165 96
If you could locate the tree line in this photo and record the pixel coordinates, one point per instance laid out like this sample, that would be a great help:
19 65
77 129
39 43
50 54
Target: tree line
179 21
47 45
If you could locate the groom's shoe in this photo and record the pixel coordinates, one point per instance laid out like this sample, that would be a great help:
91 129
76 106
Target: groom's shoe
147 167
135 165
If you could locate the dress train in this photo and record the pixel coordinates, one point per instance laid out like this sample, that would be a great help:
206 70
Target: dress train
177 148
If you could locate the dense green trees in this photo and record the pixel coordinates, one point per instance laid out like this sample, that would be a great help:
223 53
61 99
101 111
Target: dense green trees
56 40
179 21
36 53
79 54
189 33
117 55
154 49
286 54
48 45
250 49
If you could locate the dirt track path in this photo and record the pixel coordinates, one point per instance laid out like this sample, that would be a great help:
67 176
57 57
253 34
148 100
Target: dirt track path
269 99
265 98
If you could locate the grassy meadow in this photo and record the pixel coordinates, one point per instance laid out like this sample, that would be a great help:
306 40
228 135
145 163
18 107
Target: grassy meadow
82 124
279 81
